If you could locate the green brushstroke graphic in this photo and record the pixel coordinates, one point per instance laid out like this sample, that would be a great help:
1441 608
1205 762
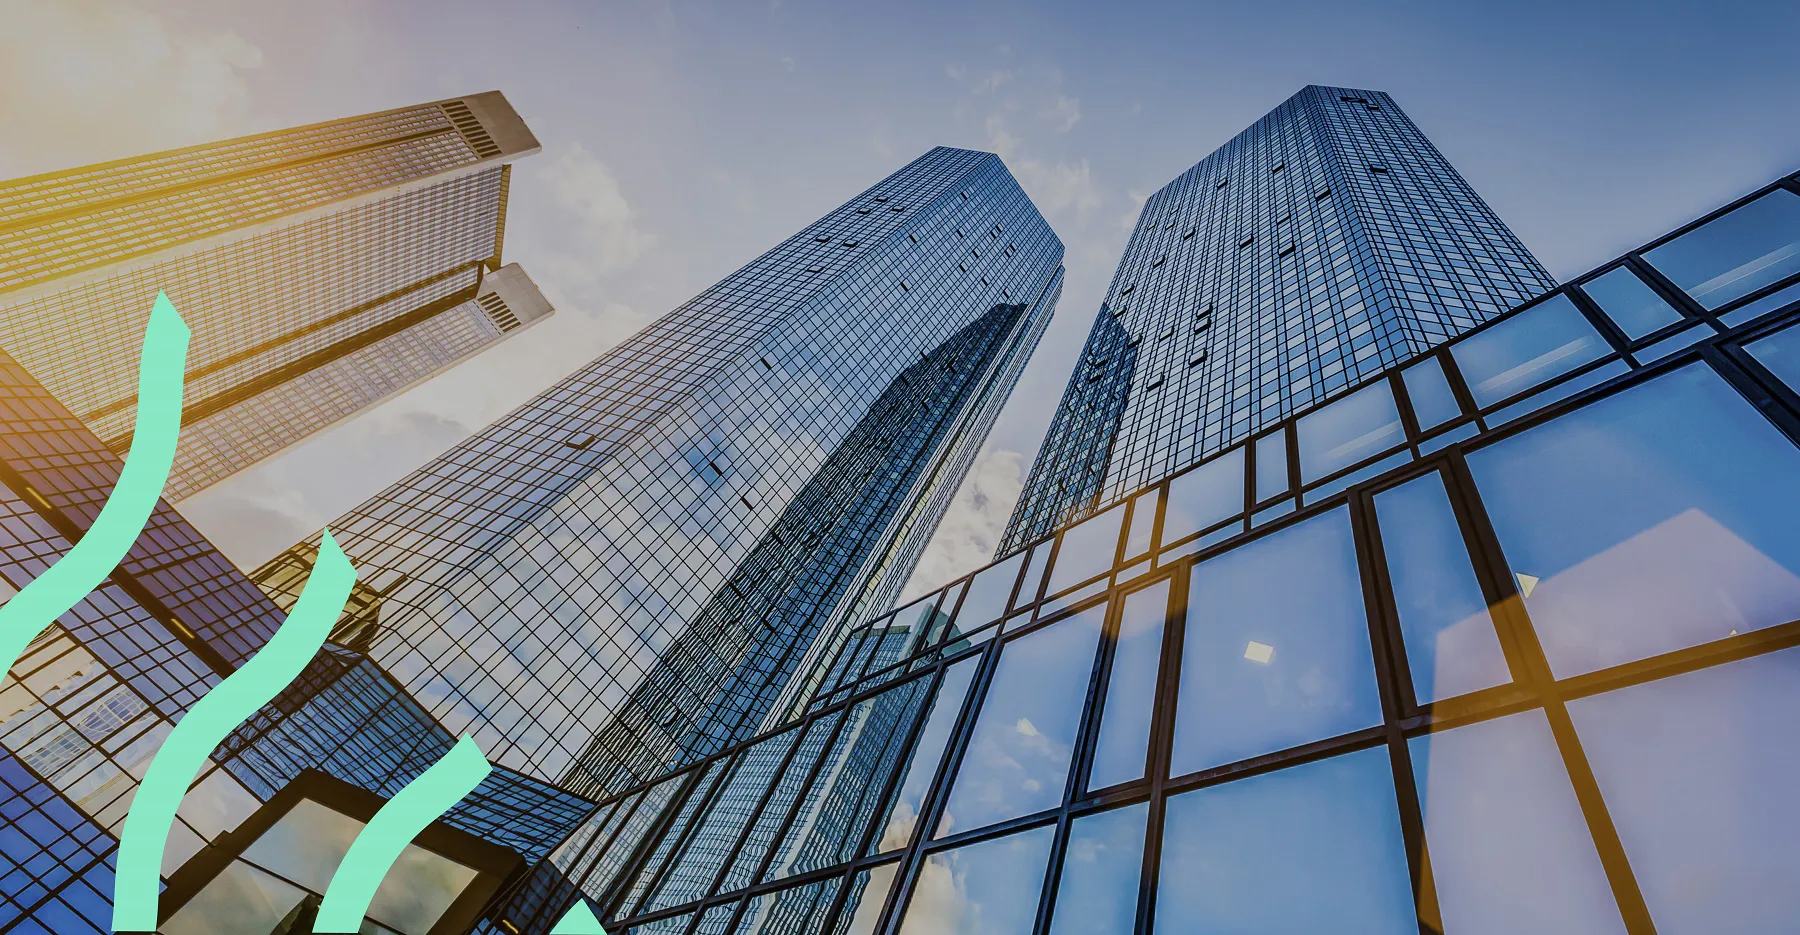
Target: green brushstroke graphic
374 851
50 595
256 683
579 920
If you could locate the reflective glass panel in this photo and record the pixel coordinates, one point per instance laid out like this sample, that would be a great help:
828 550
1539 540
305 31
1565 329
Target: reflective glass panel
1271 465
1356 427
1098 891
1310 848
716 836
1501 819
902 812
1276 652
988 592
1034 573
1433 402
1653 519
1547 340
1124 741
676 925
1630 302
990 888
798 910
1698 774
868 895
1088 548
1780 352
1737 254
716 920
775 810
1451 646
240 899
1206 495
1143 523
1018 756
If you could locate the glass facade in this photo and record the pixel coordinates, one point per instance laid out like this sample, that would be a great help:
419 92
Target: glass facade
320 268
1535 640
623 574
1319 247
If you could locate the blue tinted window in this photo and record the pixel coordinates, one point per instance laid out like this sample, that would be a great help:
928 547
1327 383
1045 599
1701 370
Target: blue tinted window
1208 494
1018 757
1088 548
1432 400
1545 341
868 895
798 910
1276 652
990 888
1124 741
1359 426
1098 891
1780 352
1698 774
1629 302
1451 646
1737 254
1656 518
927 753
1501 819
1312 848
988 592
1271 465
1143 522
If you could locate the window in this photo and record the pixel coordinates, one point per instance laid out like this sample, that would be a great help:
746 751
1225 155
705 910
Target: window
1358 426
902 812
1088 549
868 895
1098 891
1780 352
990 888
1547 340
1124 733
1271 465
988 593
1629 302
1433 403
1205 496
1735 254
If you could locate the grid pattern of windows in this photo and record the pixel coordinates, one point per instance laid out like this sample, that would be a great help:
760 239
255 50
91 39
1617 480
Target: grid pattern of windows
1542 639
1325 243
533 575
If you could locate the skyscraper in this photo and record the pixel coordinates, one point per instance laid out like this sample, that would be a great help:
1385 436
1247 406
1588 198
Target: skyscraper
1325 243
321 268
622 574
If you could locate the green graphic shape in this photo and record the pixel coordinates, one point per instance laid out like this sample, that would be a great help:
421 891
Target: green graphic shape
579 920
137 886
161 365
374 851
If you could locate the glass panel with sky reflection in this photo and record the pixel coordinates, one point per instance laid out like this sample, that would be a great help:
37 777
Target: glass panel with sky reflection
1780 352
1433 402
1736 254
1018 756
863 905
988 592
1123 745
1098 891
1206 495
1451 646
1271 465
1276 652
1312 848
240 899
798 910
672 926
1088 549
1630 302
1698 772
1548 340
902 812
1501 820
1358 426
1661 517
991 888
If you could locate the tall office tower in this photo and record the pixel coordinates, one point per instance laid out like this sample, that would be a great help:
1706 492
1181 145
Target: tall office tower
321 268
1327 242
89 702
624 572
1527 620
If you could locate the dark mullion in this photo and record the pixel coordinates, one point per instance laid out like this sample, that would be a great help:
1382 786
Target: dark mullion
762 802
1609 330
793 810
1668 291
1162 733
708 796
1409 421
1459 388
1290 435
646 846
1777 402
1396 693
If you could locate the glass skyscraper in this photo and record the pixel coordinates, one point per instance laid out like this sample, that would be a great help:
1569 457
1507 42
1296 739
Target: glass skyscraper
623 573
321 268
1322 245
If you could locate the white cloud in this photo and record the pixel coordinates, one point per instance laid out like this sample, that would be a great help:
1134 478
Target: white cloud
605 233
954 72
91 80
787 62
993 80
1064 112
973 524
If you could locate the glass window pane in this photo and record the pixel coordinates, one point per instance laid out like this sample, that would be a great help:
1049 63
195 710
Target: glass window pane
1546 341
1276 652
1143 523
1451 646
240 899
990 888
988 592
716 920
902 813
1098 891
1433 402
1501 819
1034 573
868 895
1124 741
1654 519
1271 465
1780 352
774 812
1311 848
1088 548
1206 495
671 926
798 910
1356 427
1698 774
1630 303
716 835
1737 254
1018 757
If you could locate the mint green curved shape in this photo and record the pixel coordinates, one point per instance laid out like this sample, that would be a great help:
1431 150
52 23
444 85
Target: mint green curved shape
161 364
136 888
579 920
374 851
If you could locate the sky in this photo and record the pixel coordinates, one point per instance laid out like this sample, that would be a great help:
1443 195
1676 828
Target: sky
683 139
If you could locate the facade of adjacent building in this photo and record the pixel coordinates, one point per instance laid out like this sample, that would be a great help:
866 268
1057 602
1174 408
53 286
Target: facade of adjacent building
623 573
1325 243
1525 621
321 268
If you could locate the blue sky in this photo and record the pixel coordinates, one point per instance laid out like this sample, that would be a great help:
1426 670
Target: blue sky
682 139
